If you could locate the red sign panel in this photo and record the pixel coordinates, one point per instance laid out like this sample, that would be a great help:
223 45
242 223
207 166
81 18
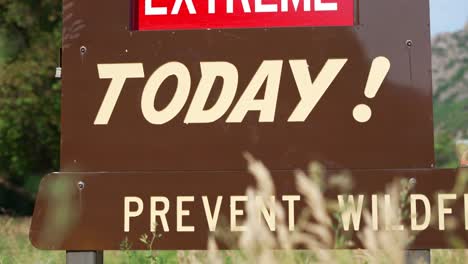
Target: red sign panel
206 14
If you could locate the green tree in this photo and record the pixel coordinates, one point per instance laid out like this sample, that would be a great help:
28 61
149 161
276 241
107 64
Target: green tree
29 98
445 149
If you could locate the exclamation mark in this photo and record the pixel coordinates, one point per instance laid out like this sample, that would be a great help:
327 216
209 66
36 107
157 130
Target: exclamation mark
379 70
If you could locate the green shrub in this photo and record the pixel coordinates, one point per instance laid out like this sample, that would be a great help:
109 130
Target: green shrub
29 96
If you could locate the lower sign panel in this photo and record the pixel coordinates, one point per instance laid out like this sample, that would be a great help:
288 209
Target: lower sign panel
109 211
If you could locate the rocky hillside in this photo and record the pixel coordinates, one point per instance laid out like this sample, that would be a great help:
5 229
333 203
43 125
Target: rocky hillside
449 65
450 84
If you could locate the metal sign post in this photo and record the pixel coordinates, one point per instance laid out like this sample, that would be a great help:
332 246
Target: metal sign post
85 257
418 257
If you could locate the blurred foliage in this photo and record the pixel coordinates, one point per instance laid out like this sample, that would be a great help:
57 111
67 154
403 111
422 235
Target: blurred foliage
445 149
450 78
451 122
30 33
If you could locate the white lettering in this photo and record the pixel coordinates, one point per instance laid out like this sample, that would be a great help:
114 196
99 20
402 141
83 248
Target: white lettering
389 211
230 6
350 211
269 215
285 6
212 218
150 10
444 210
128 214
375 212
161 213
211 6
152 86
320 6
291 199
178 4
260 7
269 71
310 92
211 70
181 213
236 212
414 212
118 72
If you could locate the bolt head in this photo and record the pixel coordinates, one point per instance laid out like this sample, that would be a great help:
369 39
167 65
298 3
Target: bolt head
81 185
409 43
412 182
83 49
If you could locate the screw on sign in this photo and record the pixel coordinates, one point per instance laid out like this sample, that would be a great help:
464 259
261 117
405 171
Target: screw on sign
156 117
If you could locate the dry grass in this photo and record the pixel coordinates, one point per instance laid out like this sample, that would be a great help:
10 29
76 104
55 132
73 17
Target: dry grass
15 246
16 249
315 229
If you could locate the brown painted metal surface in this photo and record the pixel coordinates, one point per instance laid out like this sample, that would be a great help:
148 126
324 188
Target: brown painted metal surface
99 207
399 135
137 158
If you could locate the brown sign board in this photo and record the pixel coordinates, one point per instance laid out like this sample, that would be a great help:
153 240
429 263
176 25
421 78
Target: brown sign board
99 221
398 135
171 112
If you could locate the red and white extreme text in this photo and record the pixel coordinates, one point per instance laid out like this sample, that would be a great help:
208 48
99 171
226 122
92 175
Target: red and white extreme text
206 14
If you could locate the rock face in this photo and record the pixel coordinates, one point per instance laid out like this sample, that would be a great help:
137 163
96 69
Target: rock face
450 82
449 65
